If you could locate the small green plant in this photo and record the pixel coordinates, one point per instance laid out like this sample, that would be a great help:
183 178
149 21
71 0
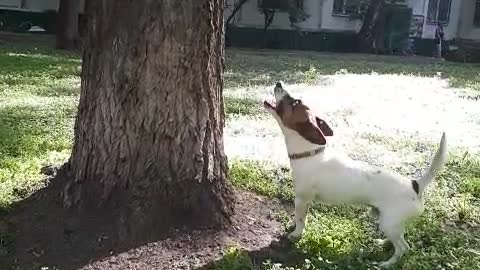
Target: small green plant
262 178
239 106
465 210
234 258
311 75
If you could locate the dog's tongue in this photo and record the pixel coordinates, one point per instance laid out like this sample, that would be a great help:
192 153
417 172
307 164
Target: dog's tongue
270 101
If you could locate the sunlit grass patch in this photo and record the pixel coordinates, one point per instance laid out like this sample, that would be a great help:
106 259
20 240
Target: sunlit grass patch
242 106
265 68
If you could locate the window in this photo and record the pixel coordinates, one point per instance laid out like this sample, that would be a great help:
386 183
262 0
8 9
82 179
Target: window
346 7
438 11
476 17
280 5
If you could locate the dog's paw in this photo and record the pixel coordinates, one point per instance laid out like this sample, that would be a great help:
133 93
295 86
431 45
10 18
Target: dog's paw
290 228
381 242
373 213
385 265
294 237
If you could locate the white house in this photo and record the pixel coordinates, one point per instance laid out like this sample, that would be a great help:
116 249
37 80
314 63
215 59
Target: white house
32 5
31 15
328 19
461 18
469 24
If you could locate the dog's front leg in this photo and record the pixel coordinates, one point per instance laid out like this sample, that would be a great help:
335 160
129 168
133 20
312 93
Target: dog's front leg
301 209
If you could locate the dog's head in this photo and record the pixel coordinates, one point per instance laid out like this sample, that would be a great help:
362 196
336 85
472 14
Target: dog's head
293 114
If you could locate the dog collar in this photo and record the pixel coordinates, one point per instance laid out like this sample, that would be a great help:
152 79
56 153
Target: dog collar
307 153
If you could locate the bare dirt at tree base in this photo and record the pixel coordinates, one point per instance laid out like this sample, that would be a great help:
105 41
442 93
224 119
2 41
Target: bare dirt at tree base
44 235
255 227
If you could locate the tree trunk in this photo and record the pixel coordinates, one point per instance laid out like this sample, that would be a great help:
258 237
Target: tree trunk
67 31
269 15
149 131
369 32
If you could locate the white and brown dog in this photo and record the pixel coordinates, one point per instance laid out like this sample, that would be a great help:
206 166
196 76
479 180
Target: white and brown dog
320 175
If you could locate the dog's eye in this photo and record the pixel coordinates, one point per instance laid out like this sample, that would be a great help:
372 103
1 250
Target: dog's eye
296 102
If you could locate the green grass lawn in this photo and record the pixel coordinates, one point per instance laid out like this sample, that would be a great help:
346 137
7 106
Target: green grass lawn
251 69
39 91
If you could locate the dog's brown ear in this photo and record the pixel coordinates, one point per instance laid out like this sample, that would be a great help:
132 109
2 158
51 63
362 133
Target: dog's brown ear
311 132
324 127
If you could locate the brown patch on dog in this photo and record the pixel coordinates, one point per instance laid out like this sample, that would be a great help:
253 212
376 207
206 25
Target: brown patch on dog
297 116
324 127
311 132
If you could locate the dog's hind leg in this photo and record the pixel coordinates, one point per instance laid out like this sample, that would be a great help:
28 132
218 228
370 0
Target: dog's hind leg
394 232
406 246
301 209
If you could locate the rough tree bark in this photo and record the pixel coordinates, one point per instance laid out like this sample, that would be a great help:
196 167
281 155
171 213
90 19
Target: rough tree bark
371 25
149 131
67 30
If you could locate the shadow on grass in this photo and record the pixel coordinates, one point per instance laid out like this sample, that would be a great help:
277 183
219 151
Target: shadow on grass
279 251
38 232
283 253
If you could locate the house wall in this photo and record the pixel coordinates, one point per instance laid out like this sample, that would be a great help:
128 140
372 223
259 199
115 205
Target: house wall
31 5
332 22
418 6
320 19
250 16
35 5
314 9
10 3
42 5
451 29
466 28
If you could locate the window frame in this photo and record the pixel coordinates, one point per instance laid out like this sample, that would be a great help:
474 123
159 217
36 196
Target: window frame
344 12
435 21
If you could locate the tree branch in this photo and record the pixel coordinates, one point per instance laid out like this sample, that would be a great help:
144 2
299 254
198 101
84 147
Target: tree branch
235 10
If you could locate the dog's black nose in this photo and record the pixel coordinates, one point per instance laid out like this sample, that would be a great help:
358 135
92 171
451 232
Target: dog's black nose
279 85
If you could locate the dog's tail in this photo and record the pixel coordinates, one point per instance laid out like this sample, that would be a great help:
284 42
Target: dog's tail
438 161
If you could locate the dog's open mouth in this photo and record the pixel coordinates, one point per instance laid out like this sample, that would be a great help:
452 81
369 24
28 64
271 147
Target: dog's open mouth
269 104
